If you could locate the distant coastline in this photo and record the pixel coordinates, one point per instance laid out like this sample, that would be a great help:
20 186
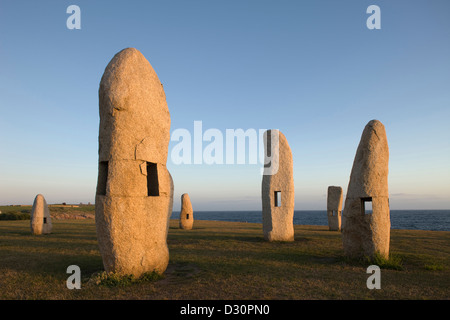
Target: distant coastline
432 220
429 220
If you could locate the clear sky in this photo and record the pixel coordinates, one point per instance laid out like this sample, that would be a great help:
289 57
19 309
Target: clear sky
309 68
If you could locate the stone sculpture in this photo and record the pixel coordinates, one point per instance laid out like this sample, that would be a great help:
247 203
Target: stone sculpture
134 195
366 232
40 220
186 214
334 208
277 188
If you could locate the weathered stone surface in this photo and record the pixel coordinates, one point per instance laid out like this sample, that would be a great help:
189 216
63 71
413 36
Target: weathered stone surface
135 123
40 221
277 218
134 189
334 207
365 232
186 214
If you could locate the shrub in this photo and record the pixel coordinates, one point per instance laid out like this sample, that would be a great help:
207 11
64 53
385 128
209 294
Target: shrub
434 267
393 262
15 216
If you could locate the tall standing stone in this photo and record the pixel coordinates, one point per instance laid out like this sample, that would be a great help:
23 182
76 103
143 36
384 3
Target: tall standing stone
277 188
334 208
134 196
40 220
186 214
367 231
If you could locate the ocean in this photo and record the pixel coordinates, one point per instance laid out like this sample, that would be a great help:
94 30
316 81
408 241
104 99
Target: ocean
435 220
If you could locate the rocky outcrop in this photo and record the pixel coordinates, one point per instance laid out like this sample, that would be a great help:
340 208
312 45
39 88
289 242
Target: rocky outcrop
186 214
277 188
40 220
366 216
134 189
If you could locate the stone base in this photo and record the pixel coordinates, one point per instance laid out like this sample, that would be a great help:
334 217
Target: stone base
132 233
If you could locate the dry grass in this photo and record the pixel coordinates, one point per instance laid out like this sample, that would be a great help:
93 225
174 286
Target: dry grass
223 260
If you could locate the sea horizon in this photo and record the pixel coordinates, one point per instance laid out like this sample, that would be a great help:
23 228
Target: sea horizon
414 219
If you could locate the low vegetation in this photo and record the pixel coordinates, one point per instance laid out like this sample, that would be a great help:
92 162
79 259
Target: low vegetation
57 211
394 262
223 260
15 215
112 279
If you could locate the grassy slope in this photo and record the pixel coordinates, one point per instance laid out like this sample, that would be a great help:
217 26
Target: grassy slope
223 260
56 211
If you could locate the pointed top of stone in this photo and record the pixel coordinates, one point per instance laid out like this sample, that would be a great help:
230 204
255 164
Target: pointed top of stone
186 205
130 73
370 167
334 198
134 116
277 150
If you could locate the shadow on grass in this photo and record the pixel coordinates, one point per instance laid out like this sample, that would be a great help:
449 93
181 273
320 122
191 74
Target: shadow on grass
394 262
50 242
182 230
195 238
192 237
49 262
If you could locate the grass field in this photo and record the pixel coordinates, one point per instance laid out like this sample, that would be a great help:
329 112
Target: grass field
56 211
223 260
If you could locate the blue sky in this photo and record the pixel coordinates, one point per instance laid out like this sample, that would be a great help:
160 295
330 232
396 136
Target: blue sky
309 68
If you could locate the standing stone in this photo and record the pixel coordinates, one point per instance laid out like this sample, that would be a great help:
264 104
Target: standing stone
334 208
366 231
277 188
134 195
186 214
40 220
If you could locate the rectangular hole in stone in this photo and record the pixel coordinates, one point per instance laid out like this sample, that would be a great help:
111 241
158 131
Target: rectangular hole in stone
102 178
45 220
187 216
277 197
366 205
152 180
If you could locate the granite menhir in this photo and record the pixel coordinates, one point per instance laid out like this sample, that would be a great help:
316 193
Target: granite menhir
334 208
186 214
40 220
134 196
366 217
277 188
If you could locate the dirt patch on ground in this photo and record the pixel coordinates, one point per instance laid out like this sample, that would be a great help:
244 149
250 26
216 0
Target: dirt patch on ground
178 271
66 216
